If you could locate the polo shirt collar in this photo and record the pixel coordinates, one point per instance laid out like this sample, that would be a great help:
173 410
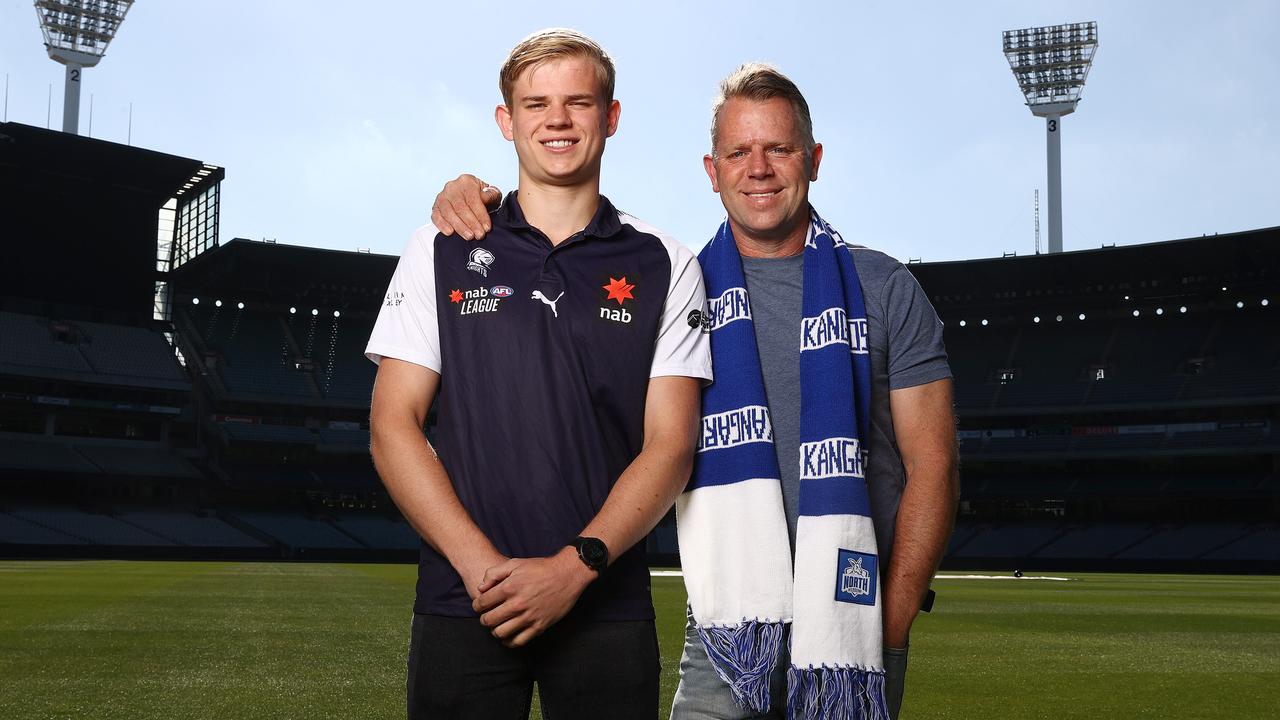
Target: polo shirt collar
603 224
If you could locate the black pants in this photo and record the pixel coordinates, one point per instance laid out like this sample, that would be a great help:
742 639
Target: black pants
584 669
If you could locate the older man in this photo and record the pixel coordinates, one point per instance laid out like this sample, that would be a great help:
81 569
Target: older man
825 484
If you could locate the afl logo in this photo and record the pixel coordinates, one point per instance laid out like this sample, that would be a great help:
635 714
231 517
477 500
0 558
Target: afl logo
501 291
480 261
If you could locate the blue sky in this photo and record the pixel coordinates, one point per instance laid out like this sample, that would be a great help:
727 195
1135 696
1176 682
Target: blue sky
338 121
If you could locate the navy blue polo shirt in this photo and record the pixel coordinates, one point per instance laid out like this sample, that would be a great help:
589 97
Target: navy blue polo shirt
544 353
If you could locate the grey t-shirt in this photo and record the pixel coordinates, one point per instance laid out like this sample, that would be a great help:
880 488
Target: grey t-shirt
905 339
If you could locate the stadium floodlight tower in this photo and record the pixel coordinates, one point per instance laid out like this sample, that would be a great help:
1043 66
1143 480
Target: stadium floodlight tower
76 34
1051 64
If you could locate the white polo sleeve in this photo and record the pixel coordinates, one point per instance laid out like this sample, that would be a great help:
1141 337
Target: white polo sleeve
407 327
684 339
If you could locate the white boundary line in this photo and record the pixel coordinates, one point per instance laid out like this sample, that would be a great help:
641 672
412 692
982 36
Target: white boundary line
1001 577
678 573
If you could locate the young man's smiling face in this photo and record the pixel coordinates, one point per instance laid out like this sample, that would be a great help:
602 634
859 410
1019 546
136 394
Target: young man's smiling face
762 169
559 119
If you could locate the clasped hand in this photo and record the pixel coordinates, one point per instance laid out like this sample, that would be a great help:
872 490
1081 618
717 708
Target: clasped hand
520 598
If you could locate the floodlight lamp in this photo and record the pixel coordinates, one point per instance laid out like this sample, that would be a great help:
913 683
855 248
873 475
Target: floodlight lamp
1159 311
217 303
293 311
1136 313
1051 64
314 312
195 301
1240 304
1036 319
79 31
239 306
1183 309
1265 302
1081 316
337 314
962 323
984 322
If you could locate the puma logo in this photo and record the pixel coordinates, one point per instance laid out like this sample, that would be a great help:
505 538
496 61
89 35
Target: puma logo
537 295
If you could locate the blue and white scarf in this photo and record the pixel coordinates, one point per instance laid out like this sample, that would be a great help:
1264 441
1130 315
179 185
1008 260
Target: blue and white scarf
734 550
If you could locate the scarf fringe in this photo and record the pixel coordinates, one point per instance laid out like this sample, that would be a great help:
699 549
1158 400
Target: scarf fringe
841 693
743 656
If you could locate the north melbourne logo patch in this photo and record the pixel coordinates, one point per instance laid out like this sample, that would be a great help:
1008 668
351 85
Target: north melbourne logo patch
856 575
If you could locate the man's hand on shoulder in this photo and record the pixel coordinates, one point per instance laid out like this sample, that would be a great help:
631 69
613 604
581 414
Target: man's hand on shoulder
463 206
522 597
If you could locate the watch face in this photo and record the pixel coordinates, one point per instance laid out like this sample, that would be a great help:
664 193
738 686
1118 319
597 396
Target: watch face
594 552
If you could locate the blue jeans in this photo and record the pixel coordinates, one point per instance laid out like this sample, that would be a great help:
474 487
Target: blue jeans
702 695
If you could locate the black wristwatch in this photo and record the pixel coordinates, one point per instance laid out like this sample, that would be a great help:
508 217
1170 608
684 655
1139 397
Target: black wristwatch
592 552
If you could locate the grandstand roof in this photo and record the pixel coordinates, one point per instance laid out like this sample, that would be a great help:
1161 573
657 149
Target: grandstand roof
266 272
1243 261
79 219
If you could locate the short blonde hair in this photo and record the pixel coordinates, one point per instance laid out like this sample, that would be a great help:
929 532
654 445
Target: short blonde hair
555 44
761 81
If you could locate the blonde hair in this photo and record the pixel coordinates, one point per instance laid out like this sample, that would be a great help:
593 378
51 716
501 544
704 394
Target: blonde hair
555 44
761 81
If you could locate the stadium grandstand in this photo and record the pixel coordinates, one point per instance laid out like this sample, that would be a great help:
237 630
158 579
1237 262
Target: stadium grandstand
163 394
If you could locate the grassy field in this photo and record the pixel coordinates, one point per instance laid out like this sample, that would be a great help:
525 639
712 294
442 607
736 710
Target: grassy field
167 640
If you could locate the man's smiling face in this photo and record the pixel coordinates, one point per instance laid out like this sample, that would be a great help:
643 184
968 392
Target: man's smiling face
762 169
559 119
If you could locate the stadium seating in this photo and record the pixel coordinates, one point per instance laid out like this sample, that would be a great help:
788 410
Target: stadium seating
1191 541
18 531
259 433
381 532
256 351
41 453
1094 541
91 527
1008 541
29 344
136 461
134 353
335 436
1261 545
297 531
93 352
189 529
351 375
247 474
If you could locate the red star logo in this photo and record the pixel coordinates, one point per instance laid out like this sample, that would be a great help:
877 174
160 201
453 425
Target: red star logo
455 296
619 290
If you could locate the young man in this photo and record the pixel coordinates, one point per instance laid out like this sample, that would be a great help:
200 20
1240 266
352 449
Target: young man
824 492
568 379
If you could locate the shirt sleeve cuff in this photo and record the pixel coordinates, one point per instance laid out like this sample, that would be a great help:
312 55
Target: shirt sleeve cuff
920 375
377 351
702 372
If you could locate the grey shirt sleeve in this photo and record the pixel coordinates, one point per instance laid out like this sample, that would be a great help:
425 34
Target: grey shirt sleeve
916 352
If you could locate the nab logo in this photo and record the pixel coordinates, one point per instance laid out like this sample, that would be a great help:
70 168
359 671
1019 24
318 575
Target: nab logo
621 316
856 576
618 289
474 301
